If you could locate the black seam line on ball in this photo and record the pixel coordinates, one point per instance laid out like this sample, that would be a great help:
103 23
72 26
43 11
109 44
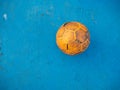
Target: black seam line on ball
67 46
65 24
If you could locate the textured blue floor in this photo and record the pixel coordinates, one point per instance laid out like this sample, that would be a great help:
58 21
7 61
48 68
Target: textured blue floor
30 59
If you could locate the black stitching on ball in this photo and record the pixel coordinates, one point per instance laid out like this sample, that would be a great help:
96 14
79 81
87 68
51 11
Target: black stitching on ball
67 47
65 24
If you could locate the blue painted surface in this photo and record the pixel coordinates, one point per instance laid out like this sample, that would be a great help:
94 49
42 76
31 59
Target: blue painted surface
30 59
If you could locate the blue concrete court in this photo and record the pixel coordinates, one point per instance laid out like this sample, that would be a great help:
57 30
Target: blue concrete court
30 59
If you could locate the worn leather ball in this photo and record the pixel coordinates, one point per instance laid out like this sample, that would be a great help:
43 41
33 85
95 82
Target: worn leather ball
73 38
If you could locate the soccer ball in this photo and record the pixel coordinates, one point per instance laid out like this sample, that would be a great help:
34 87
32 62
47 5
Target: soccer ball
73 38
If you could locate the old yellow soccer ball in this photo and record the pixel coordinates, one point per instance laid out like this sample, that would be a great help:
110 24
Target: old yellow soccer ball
73 38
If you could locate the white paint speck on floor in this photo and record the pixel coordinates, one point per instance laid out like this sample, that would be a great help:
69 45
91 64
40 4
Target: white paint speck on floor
5 16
